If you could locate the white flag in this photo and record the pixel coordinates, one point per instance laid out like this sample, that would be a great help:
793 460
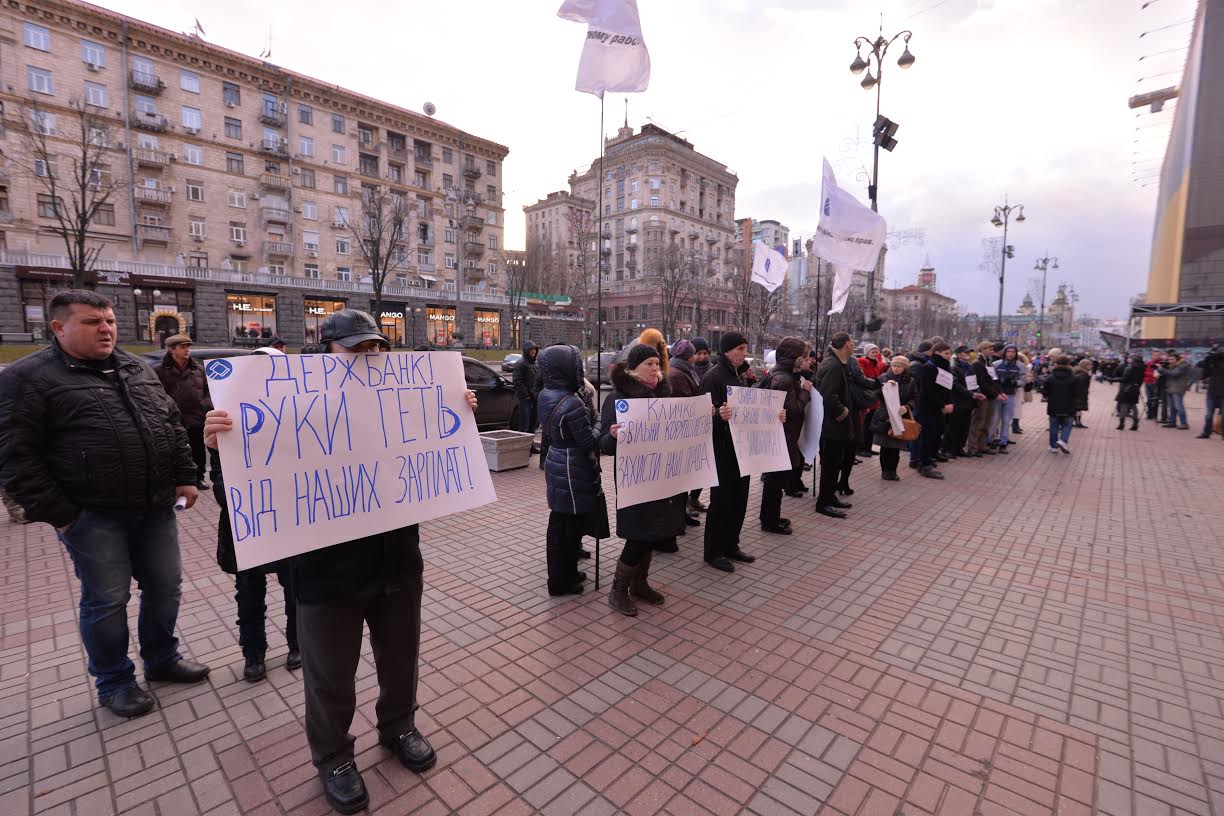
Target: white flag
842 278
614 57
849 235
768 266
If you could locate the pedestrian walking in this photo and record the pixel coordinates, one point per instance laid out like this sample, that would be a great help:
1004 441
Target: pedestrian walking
837 435
907 394
91 444
1060 390
1083 384
729 498
183 378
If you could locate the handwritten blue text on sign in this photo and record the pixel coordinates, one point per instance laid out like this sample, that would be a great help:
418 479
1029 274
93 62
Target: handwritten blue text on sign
664 447
756 431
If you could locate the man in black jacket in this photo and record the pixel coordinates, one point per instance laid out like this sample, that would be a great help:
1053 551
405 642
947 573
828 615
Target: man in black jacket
729 498
837 435
784 378
1212 367
91 444
526 382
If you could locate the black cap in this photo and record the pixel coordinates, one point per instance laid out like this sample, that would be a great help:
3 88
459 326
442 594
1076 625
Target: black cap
700 344
924 346
962 349
349 327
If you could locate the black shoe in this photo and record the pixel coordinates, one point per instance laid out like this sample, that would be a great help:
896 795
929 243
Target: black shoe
987 452
345 791
785 522
583 553
775 528
839 504
130 701
828 510
255 669
721 563
1203 436
794 494
1019 430
930 473
890 476
413 750
201 485
745 558
293 661
666 546
691 521
180 671
939 457
845 491
564 588
580 576
1003 450
914 464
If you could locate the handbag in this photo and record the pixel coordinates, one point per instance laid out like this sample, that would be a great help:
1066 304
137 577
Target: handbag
913 429
596 522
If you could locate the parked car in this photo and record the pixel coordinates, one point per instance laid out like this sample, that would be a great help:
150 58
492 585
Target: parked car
599 362
509 362
155 357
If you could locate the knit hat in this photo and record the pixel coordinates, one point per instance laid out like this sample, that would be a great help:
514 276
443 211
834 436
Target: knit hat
924 346
998 345
682 349
700 344
901 359
867 347
730 340
640 354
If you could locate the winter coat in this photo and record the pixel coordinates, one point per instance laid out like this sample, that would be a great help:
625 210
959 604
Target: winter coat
683 379
1011 376
833 383
1129 383
987 384
1083 382
962 397
188 388
656 520
526 378
1177 378
872 369
1060 390
1213 371
783 378
932 397
571 471
74 438
1149 372
226 557
907 391
714 383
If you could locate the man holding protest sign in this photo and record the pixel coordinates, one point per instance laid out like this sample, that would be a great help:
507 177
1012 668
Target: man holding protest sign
798 392
375 580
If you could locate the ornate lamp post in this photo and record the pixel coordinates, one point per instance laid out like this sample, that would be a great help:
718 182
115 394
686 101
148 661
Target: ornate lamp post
1002 216
1043 264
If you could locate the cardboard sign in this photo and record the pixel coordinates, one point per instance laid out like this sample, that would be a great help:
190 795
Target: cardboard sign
328 448
664 447
892 402
943 378
971 382
760 440
813 421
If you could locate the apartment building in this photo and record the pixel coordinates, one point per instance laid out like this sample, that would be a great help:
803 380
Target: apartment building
560 239
239 185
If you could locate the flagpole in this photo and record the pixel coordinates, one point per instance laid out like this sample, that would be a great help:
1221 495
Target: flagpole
599 322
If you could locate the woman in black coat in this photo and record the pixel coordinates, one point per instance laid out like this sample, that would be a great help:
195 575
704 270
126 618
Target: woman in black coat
639 376
907 392
1130 383
784 378
571 472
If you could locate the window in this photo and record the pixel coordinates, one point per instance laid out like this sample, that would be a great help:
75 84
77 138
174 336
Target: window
339 154
192 118
40 80
146 105
197 227
310 241
344 273
340 185
305 115
105 215
420 178
492 242
654 166
195 190
251 315
43 122
231 94
48 206
633 203
337 123
236 198
189 81
395 172
633 186
37 37
233 128
368 165
490 168
193 154
306 145
93 53
307 178
448 181
233 163
343 246
310 211
365 135
237 231
448 235
269 106
447 156
654 201
656 183
312 270
448 260
44 168
491 194
425 257
95 94
340 216
491 217
492 268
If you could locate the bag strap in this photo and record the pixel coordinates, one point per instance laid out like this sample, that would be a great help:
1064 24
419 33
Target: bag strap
544 435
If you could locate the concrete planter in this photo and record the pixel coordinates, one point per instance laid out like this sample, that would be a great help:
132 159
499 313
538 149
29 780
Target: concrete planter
506 450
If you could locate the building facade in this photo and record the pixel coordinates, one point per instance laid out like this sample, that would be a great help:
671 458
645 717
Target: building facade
237 188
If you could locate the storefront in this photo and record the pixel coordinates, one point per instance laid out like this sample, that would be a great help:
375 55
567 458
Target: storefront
393 322
35 301
250 317
162 312
316 312
488 329
440 325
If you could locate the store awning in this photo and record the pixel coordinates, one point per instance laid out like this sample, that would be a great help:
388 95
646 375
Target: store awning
430 278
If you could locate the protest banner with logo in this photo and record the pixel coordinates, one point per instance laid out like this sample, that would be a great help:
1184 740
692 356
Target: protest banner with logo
758 435
664 447
328 448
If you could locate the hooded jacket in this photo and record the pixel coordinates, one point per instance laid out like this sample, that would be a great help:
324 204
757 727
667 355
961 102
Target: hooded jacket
657 520
526 378
571 471
1011 373
187 387
1060 390
783 378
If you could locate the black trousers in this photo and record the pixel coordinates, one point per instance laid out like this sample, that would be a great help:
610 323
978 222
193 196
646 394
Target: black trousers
843 478
725 518
795 482
772 485
330 636
833 453
195 436
889 459
932 432
562 545
957 432
251 592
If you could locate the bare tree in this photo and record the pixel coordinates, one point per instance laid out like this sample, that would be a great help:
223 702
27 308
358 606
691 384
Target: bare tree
380 232
763 306
69 165
673 273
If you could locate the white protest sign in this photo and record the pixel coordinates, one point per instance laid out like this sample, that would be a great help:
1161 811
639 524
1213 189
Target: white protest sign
943 378
664 447
328 448
971 382
813 421
892 401
990 369
756 432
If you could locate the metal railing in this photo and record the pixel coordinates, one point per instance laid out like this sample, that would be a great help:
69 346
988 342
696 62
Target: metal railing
275 180
145 155
274 213
151 195
153 232
149 121
277 248
144 81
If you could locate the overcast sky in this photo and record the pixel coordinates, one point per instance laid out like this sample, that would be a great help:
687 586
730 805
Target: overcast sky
1023 98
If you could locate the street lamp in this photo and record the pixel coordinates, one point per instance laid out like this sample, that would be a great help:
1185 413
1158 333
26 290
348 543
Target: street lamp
415 310
1042 265
1002 216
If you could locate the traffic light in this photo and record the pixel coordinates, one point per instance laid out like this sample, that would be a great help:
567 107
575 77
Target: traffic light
883 132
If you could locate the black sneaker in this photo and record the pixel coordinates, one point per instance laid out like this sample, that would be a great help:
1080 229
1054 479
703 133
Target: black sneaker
254 670
345 791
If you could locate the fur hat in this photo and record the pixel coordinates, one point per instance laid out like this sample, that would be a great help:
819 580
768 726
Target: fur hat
730 340
901 360
654 339
639 354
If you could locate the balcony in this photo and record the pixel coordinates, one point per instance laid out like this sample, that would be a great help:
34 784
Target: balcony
272 117
399 153
280 147
275 214
150 158
370 146
711 239
694 235
471 171
149 121
151 195
473 221
473 249
152 233
422 159
146 82
277 249
274 181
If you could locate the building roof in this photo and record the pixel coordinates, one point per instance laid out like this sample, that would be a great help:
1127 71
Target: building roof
914 289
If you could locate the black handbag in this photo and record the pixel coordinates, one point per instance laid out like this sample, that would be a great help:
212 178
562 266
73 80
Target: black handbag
596 522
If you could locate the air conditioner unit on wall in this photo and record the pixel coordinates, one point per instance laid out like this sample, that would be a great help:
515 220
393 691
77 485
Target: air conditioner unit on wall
191 130
255 196
310 253
93 66
230 105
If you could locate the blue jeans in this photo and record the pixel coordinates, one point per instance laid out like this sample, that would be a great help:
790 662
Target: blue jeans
1177 409
1152 396
527 420
1001 423
1060 428
1213 404
108 550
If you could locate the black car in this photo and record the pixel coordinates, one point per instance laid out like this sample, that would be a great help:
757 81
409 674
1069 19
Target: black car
155 357
597 362
510 362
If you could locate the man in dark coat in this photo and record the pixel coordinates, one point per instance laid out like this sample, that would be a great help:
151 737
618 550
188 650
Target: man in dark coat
684 381
91 444
798 395
935 401
183 378
1212 367
701 356
526 382
729 498
1061 391
837 435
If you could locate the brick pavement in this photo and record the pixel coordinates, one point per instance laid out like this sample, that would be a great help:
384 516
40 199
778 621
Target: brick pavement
1037 634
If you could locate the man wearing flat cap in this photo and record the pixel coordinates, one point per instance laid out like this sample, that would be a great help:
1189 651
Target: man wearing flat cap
183 378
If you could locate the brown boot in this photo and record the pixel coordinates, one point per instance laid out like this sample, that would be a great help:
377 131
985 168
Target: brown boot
638 587
619 598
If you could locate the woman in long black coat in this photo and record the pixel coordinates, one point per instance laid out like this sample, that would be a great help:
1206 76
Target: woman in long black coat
907 392
644 525
1130 383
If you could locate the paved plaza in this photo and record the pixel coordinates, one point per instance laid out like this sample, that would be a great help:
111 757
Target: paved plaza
1036 634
